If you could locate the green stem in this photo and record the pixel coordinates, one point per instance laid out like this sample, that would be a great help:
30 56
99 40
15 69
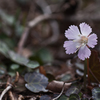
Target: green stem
85 72
88 71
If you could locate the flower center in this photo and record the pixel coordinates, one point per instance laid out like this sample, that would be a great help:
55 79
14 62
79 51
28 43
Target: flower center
83 40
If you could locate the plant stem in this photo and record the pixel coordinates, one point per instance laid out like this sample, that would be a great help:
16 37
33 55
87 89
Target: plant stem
88 71
85 72
5 90
60 93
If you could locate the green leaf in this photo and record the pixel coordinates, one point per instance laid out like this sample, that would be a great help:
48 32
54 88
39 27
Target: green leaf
18 58
96 93
2 70
7 18
80 94
74 97
4 49
63 97
9 42
18 29
45 97
85 99
32 64
94 65
36 82
22 60
66 77
74 89
11 73
45 55
14 66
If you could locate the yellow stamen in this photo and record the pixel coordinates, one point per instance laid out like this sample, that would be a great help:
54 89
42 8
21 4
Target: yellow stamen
84 39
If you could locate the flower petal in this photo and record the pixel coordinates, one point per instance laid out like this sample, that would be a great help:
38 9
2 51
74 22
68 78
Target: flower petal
85 29
92 40
70 47
84 52
72 32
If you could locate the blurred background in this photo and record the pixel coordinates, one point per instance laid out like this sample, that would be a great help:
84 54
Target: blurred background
35 29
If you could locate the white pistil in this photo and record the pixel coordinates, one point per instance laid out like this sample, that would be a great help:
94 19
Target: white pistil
82 41
78 47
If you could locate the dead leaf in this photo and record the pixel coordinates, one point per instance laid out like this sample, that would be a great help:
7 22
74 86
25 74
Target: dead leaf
42 70
94 64
56 86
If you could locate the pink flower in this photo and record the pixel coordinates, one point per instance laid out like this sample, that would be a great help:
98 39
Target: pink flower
80 40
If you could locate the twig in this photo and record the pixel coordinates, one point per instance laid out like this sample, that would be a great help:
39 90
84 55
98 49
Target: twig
20 97
5 90
55 35
80 16
9 86
44 6
47 15
56 86
16 78
94 75
23 39
28 27
38 19
54 24
60 93
11 96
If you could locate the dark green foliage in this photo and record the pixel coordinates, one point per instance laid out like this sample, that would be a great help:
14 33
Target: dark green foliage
36 82
74 89
63 97
96 93
74 97
45 97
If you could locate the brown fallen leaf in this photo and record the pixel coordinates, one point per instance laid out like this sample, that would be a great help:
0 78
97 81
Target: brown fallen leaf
42 70
56 86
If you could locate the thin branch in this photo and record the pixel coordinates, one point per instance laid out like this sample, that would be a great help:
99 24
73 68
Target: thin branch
20 97
11 95
79 16
16 78
31 24
44 6
23 39
60 93
94 75
5 90
56 86
47 15
9 86
38 19
54 24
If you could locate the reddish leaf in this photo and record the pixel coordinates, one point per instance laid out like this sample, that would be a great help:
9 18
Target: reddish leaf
42 70
94 65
